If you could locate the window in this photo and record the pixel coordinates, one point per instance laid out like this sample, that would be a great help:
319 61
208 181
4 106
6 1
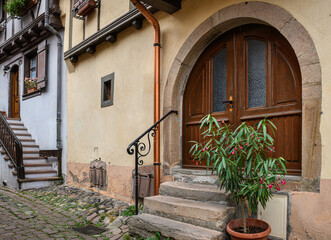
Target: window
30 69
107 90
35 67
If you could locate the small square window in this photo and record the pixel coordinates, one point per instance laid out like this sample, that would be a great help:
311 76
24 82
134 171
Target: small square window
107 90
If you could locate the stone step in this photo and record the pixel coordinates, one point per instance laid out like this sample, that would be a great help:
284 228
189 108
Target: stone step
146 225
27 141
212 215
193 176
15 123
199 192
36 172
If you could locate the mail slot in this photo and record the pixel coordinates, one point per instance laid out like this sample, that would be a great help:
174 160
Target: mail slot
145 183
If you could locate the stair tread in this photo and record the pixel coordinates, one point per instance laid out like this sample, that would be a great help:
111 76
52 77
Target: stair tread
15 124
26 140
38 179
37 172
37 164
216 206
30 146
16 119
146 225
27 158
23 134
32 151
199 192
20 129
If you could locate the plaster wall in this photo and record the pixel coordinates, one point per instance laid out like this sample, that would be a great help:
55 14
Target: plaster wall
109 11
131 58
39 113
95 132
3 92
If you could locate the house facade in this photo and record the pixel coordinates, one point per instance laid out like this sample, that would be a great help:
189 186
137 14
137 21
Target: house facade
33 92
239 60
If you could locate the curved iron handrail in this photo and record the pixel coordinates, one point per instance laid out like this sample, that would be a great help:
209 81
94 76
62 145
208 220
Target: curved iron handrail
140 149
12 145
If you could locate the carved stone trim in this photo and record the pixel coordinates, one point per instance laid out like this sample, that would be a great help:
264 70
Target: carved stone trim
222 21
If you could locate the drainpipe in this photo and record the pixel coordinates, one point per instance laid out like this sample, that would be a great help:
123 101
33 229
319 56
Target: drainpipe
150 18
59 72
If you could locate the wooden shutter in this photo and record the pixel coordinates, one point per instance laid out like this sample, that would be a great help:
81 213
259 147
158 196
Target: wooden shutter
42 65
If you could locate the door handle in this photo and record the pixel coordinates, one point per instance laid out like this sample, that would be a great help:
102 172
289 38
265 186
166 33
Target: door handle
230 101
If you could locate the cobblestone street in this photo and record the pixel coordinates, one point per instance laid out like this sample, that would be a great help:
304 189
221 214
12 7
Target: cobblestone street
52 213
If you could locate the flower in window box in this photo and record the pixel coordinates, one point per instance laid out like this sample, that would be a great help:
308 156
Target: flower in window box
17 8
31 84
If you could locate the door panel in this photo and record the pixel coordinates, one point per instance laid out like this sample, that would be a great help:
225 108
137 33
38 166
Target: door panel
256 68
15 95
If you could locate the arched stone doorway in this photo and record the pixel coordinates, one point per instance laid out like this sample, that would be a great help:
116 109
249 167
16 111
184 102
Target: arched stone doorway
222 21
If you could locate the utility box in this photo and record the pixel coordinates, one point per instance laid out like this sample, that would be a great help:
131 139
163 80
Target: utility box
145 182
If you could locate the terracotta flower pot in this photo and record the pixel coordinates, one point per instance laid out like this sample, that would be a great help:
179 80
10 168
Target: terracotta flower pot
30 90
249 222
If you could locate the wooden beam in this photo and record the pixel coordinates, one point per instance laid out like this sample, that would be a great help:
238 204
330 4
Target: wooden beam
169 6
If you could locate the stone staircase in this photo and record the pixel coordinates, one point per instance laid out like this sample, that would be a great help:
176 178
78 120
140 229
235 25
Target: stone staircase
39 171
185 210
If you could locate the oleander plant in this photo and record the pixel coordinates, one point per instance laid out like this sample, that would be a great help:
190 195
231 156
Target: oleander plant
242 159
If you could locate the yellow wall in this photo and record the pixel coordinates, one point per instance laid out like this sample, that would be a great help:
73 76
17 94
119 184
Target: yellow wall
131 58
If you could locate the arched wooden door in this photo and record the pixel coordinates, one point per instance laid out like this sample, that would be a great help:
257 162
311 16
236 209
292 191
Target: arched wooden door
256 68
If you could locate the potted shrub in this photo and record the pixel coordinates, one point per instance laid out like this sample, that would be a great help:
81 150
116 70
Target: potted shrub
17 8
31 84
242 159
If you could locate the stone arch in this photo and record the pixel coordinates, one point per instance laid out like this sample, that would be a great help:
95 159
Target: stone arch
220 22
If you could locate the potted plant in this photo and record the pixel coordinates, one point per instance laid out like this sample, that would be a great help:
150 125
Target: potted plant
242 158
31 84
17 8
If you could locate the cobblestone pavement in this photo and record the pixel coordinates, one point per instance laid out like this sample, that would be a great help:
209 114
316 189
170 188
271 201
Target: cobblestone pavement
51 213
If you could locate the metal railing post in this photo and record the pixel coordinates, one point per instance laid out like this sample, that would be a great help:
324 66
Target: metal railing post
140 149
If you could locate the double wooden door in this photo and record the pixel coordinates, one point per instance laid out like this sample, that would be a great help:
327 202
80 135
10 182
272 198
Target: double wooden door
246 74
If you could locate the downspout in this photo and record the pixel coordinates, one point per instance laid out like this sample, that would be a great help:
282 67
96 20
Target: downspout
150 18
59 73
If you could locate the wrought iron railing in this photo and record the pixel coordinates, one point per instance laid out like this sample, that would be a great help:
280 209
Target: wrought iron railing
140 149
12 146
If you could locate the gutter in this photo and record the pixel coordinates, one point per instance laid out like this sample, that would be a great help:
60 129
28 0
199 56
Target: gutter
157 32
59 75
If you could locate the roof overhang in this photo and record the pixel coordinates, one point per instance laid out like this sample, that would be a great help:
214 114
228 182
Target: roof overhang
169 6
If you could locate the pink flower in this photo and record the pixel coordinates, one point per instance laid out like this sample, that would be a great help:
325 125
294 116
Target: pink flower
246 144
233 153
252 134
273 148
240 147
203 150
283 182
257 138
236 148
223 121
278 188
261 186
269 186
197 164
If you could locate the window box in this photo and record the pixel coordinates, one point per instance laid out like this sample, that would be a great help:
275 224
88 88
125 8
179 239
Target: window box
29 4
17 8
84 7
31 90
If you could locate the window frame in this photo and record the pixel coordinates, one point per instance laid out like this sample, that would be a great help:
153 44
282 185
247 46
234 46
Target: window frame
27 68
104 80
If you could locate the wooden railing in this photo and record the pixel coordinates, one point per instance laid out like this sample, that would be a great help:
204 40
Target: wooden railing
12 146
